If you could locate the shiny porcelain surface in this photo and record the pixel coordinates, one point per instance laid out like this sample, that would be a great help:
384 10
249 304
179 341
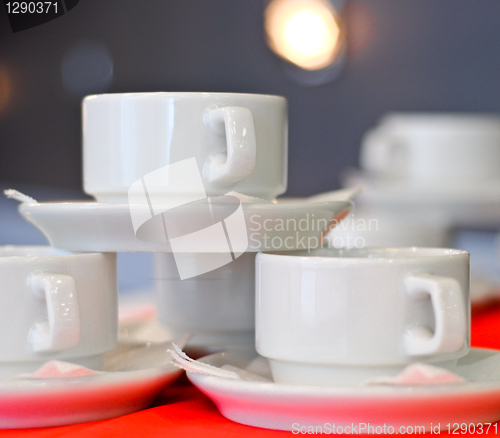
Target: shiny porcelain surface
338 316
217 307
239 142
290 407
55 305
58 401
92 226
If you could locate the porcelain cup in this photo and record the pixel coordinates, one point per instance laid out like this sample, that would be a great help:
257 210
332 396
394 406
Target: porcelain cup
425 148
340 317
217 307
55 305
239 142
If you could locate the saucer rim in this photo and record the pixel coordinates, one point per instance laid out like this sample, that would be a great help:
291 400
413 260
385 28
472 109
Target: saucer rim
91 223
298 204
387 190
45 385
59 401
275 406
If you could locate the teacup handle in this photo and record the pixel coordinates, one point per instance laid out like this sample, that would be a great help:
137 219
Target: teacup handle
376 154
239 161
62 330
450 330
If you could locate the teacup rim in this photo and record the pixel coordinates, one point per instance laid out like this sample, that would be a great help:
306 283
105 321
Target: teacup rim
386 254
37 251
179 93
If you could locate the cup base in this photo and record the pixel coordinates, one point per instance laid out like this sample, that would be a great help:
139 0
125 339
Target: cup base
336 375
11 369
179 198
215 340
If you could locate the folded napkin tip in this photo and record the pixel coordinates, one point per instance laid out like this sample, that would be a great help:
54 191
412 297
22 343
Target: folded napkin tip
57 368
18 196
418 374
182 360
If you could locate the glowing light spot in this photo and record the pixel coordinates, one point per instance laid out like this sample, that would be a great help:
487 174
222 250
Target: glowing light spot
87 69
5 89
362 28
305 32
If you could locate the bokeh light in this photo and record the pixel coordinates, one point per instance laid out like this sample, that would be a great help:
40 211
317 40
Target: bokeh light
5 89
362 26
305 32
87 68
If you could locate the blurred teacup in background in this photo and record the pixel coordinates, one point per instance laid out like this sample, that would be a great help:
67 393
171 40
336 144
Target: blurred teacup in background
428 148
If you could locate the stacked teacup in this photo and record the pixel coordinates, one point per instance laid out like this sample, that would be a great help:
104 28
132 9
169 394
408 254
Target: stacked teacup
322 317
172 152
56 305
433 150
343 317
432 165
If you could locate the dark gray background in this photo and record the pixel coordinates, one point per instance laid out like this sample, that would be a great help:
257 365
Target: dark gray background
403 55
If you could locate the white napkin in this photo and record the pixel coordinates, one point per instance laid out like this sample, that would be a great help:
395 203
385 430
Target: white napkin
182 360
18 196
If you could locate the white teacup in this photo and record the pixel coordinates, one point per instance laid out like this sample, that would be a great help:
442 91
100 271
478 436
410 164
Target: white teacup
55 305
239 142
217 307
427 148
339 317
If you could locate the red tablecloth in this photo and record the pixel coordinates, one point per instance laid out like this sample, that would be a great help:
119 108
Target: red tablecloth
184 411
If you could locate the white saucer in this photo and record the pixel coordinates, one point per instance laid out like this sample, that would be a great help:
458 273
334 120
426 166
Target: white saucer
287 407
469 204
57 401
93 226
